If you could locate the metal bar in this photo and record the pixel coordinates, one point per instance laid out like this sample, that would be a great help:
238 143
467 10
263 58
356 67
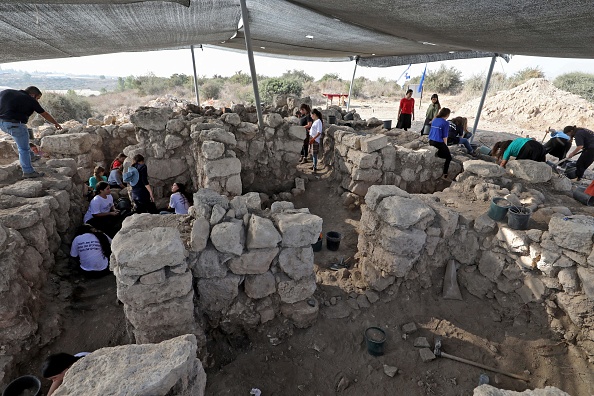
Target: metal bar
493 369
480 108
195 75
352 81
248 47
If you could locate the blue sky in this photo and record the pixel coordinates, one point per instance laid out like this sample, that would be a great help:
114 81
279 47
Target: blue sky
212 61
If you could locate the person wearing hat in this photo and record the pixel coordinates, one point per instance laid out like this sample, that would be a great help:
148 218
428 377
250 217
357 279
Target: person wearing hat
55 366
15 109
584 140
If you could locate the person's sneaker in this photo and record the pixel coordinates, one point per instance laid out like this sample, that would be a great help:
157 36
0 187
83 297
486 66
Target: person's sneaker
33 174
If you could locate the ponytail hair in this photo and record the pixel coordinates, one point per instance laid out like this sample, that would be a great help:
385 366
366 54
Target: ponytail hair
97 172
318 114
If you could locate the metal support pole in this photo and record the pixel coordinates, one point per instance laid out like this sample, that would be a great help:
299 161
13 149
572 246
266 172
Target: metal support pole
480 108
352 81
248 46
195 75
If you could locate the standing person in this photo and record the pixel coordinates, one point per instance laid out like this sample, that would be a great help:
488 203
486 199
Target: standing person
142 192
180 200
93 249
316 135
438 138
305 121
432 111
102 214
520 148
15 109
458 131
406 111
584 140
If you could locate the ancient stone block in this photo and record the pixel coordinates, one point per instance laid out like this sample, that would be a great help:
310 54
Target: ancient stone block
292 291
573 232
403 242
373 143
483 168
217 293
261 233
297 262
404 212
138 295
260 286
222 167
531 171
302 314
212 150
255 261
154 119
228 237
199 236
298 229
377 193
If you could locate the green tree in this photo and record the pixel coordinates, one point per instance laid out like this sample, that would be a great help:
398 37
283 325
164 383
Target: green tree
66 107
298 75
241 78
280 86
577 83
443 80
330 77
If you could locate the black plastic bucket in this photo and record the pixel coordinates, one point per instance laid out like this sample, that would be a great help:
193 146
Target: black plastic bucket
581 196
388 124
331 119
497 211
518 218
26 383
318 245
571 172
333 240
375 339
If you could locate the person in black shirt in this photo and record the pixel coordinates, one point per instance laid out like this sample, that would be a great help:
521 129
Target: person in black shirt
584 140
15 109
142 192
305 121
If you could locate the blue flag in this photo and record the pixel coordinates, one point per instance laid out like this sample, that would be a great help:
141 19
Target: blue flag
420 89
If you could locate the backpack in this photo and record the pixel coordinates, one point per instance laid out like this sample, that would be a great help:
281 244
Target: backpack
131 176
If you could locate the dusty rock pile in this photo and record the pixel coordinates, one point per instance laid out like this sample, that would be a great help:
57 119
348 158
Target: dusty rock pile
535 105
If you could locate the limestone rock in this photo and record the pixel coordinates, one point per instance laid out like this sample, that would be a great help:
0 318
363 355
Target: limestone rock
373 143
404 212
199 235
216 215
302 314
218 293
586 276
152 118
141 252
483 168
219 135
261 233
573 232
531 171
164 169
172 142
299 229
168 368
404 242
292 291
212 150
297 262
273 120
281 206
297 132
260 286
375 194
255 261
562 184
491 264
222 167
488 390
70 144
139 295
231 118
228 237
484 224
175 125
569 280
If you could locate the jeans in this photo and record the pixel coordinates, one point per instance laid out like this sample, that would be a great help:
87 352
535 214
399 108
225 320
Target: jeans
315 160
20 134
466 144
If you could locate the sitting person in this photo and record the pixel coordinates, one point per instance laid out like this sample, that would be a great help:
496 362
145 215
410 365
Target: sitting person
458 132
93 248
98 176
559 144
55 366
520 148
118 161
115 178
102 213
180 200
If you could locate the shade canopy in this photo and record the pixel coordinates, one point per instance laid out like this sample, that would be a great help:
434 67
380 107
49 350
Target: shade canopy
380 32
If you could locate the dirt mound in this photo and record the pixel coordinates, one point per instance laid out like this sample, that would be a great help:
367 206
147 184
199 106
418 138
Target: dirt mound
535 105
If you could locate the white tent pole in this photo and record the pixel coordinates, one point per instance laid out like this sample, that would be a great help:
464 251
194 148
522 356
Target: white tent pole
248 46
352 81
195 75
480 108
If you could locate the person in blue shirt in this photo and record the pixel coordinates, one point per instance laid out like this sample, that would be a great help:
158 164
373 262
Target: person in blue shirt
520 148
559 144
438 138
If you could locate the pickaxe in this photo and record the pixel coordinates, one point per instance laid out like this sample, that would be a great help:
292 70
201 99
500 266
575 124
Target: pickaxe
437 352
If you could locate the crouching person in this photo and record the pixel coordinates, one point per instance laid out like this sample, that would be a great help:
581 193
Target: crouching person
93 249
102 214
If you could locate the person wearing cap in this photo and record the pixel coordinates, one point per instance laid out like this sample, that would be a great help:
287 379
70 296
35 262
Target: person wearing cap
15 109
584 140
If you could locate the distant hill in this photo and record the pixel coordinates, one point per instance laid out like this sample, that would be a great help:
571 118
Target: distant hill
55 82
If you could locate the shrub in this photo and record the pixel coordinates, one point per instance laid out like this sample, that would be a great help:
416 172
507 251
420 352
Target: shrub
240 78
298 75
524 75
330 77
476 83
280 86
577 83
66 107
358 85
210 90
447 80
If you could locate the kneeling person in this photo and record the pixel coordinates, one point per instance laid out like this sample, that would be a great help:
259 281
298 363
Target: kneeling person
101 213
93 248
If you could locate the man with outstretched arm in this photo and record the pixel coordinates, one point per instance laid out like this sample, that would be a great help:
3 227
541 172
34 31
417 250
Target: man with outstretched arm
15 109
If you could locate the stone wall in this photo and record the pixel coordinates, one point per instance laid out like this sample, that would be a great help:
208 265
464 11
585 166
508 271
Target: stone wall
228 261
37 216
168 368
360 159
89 146
410 236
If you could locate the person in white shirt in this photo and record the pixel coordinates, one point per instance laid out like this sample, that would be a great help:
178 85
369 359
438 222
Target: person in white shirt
316 135
93 249
101 213
180 200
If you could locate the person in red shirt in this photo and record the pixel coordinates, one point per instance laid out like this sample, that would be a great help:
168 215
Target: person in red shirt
406 111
